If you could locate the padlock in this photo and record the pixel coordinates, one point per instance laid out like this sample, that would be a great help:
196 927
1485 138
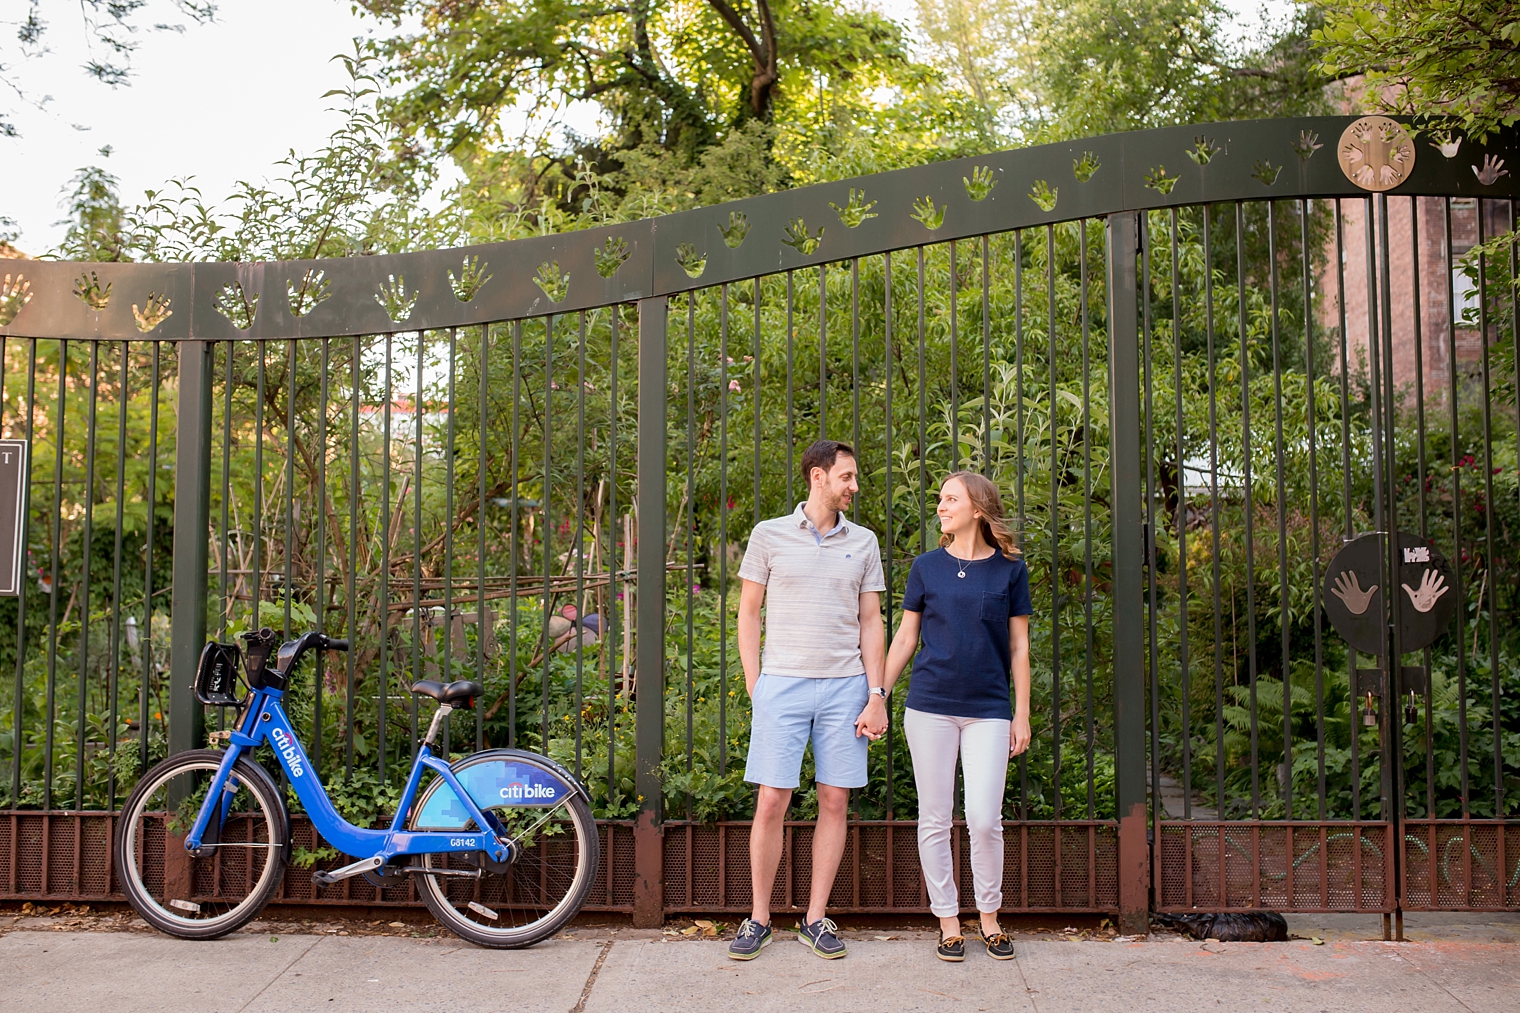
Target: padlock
1411 710
1369 713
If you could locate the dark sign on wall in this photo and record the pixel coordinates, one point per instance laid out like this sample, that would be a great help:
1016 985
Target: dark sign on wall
13 455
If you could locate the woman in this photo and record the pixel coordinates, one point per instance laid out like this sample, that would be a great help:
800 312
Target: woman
969 599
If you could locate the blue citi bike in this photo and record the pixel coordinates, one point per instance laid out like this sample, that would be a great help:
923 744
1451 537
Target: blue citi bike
501 844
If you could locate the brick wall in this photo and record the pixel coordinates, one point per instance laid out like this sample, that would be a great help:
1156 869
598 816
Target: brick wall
1421 302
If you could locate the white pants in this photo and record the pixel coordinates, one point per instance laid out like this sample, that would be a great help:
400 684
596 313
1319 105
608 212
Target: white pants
934 740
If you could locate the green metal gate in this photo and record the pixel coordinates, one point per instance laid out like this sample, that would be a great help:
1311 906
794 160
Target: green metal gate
1195 359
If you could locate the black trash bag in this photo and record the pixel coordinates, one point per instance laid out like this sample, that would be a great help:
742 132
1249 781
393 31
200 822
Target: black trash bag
1229 926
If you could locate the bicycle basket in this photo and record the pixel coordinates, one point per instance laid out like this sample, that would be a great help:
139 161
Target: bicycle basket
216 679
261 644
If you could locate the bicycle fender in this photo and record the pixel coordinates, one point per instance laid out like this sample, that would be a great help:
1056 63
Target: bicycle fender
496 778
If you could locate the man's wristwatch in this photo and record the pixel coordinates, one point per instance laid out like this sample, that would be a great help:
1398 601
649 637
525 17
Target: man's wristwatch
880 691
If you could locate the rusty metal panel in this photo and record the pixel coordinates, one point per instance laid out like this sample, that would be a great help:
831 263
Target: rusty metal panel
1461 865
1279 865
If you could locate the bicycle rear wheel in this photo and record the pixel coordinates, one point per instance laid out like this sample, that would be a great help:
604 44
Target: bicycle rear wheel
239 866
558 854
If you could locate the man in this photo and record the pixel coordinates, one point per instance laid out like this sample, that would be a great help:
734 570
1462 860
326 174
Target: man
819 577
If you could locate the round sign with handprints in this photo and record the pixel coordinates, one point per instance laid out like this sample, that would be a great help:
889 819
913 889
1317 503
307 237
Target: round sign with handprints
1354 594
1376 153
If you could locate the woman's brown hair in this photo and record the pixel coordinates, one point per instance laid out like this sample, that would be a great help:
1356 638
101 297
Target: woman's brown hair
985 501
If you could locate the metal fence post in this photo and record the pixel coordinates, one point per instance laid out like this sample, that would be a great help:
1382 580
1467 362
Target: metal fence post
649 686
1128 593
192 519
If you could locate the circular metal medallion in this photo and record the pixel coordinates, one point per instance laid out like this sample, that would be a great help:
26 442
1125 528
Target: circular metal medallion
1376 153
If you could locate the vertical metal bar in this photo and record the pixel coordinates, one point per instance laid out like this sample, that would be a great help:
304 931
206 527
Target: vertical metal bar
257 588
383 526
987 355
18 700
1393 749
288 563
1379 476
1250 506
1148 442
55 578
114 648
1419 408
1453 402
923 435
649 716
723 533
1346 508
1284 603
484 625
1213 363
319 687
1488 521
854 367
1018 461
891 543
448 535
580 534
192 517
148 535
86 554
613 569
955 392
548 525
1090 748
791 438
690 523
351 624
1128 555
516 537
417 416
823 352
1311 415
1055 529
225 587
1183 660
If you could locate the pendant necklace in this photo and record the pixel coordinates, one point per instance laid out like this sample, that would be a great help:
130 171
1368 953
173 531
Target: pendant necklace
963 564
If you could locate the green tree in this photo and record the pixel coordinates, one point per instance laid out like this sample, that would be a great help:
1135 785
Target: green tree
675 74
1149 63
94 217
1454 63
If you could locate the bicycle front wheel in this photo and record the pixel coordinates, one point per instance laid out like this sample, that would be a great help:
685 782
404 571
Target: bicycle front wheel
239 865
558 853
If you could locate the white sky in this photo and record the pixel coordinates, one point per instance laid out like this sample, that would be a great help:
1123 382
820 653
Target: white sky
221 102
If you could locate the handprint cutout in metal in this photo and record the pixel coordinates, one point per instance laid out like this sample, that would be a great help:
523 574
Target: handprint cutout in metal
1432 586
1349 590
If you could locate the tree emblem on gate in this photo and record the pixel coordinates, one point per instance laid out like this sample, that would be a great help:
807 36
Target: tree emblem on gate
1376 153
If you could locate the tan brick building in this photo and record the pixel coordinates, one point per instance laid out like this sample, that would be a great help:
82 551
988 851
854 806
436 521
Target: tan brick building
1421 301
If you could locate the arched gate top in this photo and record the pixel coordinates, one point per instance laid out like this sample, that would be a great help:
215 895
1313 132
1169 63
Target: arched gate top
828 222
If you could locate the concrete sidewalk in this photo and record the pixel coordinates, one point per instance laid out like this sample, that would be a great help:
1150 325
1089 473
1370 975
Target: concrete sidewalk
1470 965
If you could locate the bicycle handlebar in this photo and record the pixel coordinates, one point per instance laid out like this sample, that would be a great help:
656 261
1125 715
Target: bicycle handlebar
335 644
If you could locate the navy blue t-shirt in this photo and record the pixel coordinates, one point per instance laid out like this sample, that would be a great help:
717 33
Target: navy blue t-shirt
963 664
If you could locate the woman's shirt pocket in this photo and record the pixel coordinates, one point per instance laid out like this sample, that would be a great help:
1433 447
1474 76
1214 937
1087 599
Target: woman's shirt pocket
994 607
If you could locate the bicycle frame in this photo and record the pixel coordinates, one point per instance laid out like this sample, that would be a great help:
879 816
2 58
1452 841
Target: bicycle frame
265 721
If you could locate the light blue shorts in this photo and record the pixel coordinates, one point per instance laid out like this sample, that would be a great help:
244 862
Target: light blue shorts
790 711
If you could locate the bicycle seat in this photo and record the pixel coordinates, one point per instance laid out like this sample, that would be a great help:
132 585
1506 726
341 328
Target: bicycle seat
455 694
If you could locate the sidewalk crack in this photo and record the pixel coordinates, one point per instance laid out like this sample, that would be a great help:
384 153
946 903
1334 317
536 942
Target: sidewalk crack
601 958
282 974
1025 979
1434 981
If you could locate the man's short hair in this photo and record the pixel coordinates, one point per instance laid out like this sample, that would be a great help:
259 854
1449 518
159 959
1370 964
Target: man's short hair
822 454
